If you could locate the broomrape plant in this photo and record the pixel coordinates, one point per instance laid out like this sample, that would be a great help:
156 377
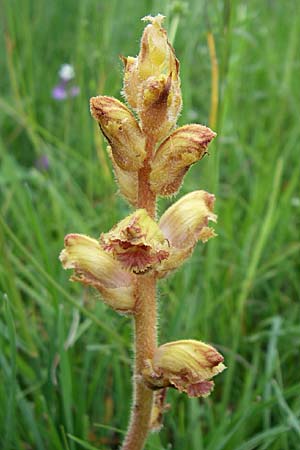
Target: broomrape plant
150 157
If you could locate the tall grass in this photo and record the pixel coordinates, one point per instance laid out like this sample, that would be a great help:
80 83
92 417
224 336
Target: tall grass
65 358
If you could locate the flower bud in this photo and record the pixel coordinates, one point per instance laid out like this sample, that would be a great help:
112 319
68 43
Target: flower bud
156 55
183 224
122 131
160 101
187 365
136 242
127 181
94 267
152 83
184 147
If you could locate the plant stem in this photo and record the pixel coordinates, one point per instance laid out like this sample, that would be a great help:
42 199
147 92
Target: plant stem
145 344
146 198
145 328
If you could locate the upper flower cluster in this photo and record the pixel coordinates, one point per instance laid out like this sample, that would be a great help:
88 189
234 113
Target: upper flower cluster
152 90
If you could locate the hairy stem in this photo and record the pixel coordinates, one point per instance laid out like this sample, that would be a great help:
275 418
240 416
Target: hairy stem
145 329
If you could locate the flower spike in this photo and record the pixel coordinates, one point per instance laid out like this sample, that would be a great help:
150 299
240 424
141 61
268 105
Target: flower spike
150 158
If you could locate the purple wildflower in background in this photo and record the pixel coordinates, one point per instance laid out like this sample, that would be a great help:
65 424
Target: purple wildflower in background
63 89
42 163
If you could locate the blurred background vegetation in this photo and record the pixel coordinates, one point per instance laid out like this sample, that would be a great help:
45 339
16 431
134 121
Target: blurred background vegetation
65 363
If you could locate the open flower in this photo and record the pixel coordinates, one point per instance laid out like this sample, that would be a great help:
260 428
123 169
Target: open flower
64 89
136 242
187 365
95 267
184 224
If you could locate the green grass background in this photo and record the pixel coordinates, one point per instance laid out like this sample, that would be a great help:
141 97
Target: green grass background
65 359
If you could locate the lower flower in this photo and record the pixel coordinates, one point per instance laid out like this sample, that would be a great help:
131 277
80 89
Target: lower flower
187 365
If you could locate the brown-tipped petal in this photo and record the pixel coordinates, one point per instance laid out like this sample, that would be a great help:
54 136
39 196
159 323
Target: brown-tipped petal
187 365
184 147
136 242
127 181
122 131
94 267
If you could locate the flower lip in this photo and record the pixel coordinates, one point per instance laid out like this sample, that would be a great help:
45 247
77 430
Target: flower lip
138 258
201 389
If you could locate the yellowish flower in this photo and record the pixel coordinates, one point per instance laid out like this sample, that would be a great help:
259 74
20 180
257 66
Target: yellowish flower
122 131
176 154
136 242
187 365
183 224
94 267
